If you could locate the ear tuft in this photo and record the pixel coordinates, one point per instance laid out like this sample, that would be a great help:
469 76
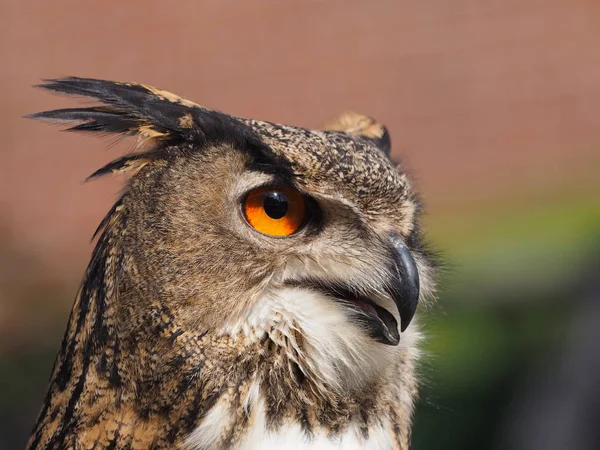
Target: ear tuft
129 109
361 125
163 122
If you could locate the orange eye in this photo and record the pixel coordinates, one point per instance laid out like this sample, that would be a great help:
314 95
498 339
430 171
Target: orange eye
275 210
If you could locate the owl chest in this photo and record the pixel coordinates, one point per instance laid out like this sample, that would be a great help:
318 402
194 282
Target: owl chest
255 434
292 437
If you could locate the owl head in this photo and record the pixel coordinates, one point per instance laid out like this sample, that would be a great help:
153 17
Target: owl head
248 229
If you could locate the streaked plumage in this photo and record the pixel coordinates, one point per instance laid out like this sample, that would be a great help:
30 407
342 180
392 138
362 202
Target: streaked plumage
193 330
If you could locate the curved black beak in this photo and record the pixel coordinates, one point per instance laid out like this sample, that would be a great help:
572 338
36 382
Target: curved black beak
378 322
404 288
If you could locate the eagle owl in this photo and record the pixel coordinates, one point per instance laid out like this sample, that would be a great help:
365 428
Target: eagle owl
253 288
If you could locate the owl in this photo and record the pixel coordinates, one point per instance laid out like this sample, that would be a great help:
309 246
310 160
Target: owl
254 287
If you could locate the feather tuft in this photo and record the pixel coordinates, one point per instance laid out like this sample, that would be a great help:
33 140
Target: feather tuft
128 109
158 118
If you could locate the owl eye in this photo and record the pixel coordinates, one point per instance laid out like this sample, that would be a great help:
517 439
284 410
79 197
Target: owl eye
275 210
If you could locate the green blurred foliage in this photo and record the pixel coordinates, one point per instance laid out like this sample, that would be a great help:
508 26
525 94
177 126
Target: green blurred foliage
514 279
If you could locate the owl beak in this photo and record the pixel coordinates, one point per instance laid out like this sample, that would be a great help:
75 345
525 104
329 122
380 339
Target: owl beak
404 287
378 322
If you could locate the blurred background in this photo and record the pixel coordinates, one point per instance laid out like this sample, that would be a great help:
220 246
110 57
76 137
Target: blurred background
494 106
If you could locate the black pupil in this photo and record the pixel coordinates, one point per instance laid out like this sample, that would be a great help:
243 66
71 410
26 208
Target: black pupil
275 205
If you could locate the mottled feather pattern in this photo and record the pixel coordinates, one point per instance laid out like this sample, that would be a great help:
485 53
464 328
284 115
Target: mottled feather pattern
184 333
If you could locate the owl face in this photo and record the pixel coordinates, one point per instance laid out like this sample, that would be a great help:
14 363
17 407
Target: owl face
311 233
251 229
